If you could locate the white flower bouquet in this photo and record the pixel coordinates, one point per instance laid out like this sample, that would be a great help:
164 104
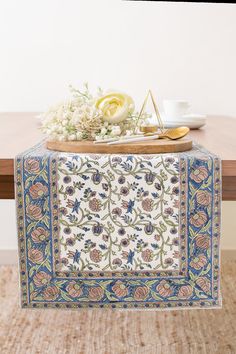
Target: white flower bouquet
88 117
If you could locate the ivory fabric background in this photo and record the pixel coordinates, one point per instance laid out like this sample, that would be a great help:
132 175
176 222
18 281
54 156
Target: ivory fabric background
121 213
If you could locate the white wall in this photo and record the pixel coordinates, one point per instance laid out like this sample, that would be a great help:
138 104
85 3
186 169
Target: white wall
180 50
177 49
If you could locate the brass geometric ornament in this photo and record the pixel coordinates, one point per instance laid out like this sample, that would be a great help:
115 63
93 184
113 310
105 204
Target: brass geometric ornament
160 124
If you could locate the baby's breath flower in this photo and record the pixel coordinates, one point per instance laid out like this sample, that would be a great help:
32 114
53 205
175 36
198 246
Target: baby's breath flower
79 119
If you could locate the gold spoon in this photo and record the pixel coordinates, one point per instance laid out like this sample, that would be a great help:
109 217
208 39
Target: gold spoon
173 134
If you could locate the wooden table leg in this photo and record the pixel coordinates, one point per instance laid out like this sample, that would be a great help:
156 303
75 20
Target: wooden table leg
7 187
229 188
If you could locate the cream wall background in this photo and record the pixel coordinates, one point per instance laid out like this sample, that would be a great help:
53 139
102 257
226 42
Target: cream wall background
179 50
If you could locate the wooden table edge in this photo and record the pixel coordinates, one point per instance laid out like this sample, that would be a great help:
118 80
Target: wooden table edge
228 179
7 167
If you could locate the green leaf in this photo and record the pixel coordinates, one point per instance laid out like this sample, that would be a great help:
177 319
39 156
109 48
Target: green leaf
209 164
200 294
90 282
205 228
27 199
31 287
208 268
163 226
30 226
47 265
192 234
192 189
134 282
44 176
149 283
29 243
27 182
155 296
64 296
46 221
110 297
31 271
192 276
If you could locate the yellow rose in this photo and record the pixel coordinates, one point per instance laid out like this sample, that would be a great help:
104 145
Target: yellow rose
115 106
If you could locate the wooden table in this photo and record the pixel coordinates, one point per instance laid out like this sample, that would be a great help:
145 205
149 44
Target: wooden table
19 132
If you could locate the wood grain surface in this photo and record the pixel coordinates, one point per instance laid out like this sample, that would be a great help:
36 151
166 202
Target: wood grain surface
20 131
142 147
99 331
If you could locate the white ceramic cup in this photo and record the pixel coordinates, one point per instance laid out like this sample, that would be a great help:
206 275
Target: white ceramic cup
175 109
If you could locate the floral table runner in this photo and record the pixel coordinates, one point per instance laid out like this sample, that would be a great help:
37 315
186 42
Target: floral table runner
118 231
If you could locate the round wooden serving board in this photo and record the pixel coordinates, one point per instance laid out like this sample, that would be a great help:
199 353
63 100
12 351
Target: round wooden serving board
142 147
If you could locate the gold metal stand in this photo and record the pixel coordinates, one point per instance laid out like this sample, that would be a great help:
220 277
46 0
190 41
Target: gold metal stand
151 128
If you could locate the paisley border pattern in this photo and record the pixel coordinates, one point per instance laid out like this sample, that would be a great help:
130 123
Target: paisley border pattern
197 287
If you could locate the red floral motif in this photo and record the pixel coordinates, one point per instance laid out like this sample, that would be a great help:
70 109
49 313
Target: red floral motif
176 203
41 278
198 219
51 293
38 190
63 211
176 254
203 198
147 204
124 242
124 191
96 293
95 255
203 241
198 262
117 211
204 284
147 255
175 241
39 235
157 237
169 261
140 293
164 289
169 211
199 174
120 289
185 291
95 204
32 166
74 289
64 261
125 255
105 238
117 262
34 212
35 256
70 203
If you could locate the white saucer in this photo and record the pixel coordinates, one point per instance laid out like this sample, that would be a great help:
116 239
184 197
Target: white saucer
190 125
194 116
193 121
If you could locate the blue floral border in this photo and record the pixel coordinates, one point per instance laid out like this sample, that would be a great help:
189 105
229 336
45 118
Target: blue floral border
200 286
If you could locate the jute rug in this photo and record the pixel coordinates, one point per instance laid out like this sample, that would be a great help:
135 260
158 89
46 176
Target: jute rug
107 331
